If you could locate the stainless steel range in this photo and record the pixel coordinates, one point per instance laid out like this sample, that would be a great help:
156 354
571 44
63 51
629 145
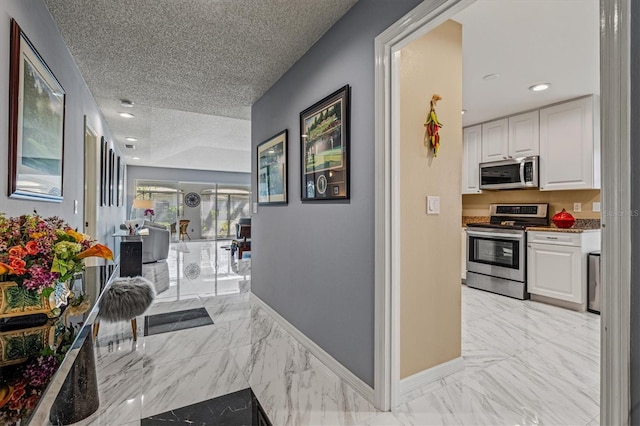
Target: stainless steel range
497 251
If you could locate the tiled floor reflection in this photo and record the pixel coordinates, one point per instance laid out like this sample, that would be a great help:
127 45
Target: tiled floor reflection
525 363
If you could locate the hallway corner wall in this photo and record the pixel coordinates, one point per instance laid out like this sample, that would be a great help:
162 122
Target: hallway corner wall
430 299
36 22
313 262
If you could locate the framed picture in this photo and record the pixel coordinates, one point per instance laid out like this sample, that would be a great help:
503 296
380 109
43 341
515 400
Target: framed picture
324 148
272 170
112 178
104 176
36 123
121 169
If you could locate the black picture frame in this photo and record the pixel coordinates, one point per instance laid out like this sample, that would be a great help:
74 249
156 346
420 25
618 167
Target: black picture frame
324 167
104 175
111 189
273 166
120 168
37 104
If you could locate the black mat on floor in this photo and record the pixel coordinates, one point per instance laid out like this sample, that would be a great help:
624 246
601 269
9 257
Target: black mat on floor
174 321
235 409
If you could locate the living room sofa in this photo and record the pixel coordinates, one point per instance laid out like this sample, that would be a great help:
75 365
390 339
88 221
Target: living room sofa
155 240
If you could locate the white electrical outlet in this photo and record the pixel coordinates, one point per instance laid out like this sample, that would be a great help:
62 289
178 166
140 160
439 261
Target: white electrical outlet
577 207
596 206
433 204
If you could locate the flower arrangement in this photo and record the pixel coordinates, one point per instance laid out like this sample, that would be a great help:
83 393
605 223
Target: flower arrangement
36 253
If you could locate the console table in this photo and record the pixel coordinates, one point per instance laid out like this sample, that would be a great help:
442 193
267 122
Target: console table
66 390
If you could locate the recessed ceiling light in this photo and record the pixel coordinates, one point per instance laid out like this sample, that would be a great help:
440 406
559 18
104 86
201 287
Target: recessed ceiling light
126 103
135 158
126 115
463 111
130 139
540 87
490 77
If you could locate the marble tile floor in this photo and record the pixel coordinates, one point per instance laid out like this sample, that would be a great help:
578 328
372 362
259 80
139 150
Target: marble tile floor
525 363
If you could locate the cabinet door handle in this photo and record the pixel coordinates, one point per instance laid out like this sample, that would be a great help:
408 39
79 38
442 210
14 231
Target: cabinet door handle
552 238
504 158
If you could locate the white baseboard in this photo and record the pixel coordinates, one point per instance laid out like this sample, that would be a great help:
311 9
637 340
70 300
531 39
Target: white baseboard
340 370
423 378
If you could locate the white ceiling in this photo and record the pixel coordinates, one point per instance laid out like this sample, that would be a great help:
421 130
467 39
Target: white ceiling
527 42
193 69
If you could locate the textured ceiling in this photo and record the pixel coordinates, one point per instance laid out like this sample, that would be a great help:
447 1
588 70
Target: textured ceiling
193 68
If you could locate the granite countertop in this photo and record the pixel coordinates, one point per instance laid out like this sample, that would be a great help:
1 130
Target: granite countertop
581 225
474 219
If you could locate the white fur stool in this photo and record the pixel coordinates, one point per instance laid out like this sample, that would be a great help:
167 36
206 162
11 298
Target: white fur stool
125 299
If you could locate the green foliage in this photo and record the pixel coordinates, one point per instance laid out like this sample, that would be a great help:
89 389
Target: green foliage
19 297
23 346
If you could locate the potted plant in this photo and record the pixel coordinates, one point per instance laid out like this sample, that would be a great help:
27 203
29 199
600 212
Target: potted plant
37 258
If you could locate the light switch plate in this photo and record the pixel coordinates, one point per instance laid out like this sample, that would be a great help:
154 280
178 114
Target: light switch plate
433 204
75 206
596 206
255 207
577 207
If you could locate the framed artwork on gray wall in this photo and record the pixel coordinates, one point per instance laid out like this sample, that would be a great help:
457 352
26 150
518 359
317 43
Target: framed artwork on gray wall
36 123
112 178
120 189
272 170
104 177
324 148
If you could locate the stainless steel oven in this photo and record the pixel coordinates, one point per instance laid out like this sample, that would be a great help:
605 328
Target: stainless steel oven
496 251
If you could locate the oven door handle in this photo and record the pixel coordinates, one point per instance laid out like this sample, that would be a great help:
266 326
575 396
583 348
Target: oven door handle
495 235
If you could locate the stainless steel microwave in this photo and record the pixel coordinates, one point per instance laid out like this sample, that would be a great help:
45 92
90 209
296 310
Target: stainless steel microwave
510 174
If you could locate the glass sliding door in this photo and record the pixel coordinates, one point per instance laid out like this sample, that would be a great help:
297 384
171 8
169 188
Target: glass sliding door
164 201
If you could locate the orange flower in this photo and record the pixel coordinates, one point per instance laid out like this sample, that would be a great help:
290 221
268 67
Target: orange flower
18 265
5 269
76 235
97 250
36 235
32 248
17 251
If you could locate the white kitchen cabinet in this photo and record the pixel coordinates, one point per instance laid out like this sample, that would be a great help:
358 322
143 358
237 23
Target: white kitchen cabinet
570 145
524 135
464 253
495 140
557 264
472 156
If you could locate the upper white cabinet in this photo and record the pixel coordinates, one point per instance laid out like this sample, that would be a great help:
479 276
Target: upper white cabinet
495 140
570 145
524 135
472 156
513 137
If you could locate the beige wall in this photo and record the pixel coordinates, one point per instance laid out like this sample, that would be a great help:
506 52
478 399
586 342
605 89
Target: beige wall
478 204
430 327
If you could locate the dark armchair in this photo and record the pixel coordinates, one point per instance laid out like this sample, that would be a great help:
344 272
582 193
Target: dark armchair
243 234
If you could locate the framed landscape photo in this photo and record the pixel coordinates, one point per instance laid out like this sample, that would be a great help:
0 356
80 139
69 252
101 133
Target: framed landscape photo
272 170
324 148
36 123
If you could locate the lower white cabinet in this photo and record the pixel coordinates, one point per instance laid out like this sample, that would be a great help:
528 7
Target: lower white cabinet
557 264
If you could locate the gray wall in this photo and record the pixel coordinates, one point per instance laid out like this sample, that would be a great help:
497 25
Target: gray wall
313 262
635 206
34 19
